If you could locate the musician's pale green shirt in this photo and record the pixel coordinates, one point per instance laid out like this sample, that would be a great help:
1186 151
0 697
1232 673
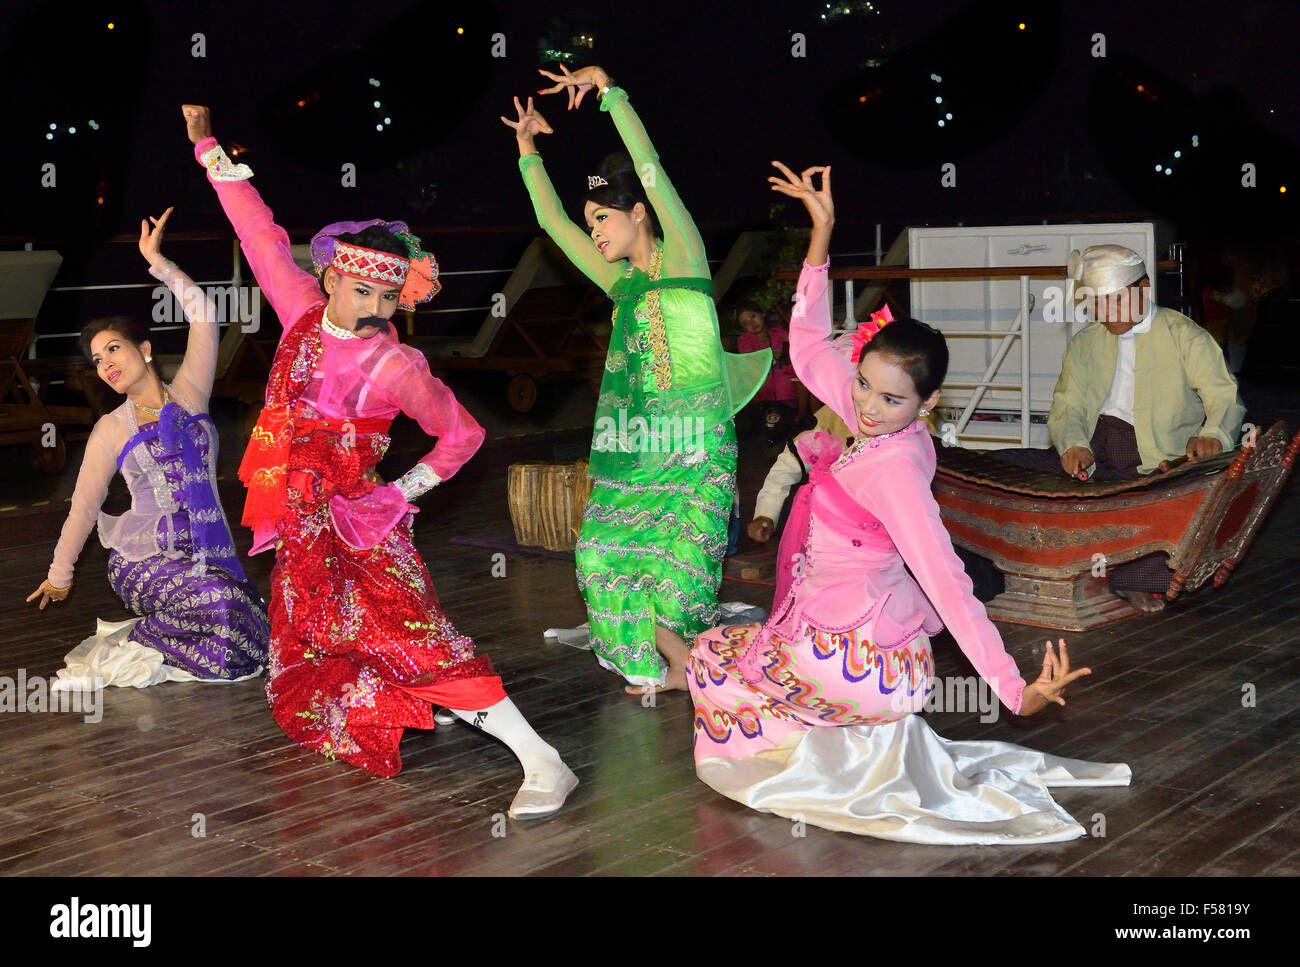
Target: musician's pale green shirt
1181 389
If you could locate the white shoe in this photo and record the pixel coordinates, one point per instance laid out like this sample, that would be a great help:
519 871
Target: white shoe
543 794
443 717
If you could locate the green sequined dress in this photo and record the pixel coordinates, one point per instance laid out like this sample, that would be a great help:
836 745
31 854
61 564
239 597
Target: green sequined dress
663 453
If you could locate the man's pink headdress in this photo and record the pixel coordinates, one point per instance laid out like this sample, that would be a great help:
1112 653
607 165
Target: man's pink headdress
417 275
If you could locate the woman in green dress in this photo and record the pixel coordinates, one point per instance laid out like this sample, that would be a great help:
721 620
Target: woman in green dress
663 453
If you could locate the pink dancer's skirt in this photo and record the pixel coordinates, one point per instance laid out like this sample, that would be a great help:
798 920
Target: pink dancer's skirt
821 730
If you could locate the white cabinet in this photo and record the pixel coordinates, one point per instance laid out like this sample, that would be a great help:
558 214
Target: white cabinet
992 307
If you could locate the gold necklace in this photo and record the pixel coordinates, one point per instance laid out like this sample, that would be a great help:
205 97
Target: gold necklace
149 409
654 267
864 442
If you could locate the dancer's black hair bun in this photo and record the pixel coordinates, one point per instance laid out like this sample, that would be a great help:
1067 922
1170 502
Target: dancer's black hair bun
623 190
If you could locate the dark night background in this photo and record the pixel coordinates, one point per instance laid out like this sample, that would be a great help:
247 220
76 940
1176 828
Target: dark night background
1041 129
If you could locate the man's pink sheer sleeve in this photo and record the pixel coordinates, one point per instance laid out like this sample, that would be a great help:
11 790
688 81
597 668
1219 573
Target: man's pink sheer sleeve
823 370
901 499
199 366
289 289
428 401
98 467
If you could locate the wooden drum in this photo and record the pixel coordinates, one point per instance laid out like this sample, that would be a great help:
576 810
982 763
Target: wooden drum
546 503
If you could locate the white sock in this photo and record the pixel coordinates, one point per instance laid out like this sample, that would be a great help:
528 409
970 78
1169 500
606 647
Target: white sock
505 722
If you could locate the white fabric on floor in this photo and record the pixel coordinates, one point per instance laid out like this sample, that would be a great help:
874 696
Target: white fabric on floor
729 612
110 657
579 637
901 781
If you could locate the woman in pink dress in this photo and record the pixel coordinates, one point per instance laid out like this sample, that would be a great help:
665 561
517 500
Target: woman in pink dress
811 715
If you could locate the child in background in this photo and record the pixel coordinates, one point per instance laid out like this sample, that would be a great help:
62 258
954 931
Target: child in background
777 398
787 473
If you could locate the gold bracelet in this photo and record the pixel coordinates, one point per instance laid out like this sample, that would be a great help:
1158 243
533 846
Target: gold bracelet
53 588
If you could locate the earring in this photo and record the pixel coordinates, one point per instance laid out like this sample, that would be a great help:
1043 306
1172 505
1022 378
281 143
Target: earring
148 359
924 412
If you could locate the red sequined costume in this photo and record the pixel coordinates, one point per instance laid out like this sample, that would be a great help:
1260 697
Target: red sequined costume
359 646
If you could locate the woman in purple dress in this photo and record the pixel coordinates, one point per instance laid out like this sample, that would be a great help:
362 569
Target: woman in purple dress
172 560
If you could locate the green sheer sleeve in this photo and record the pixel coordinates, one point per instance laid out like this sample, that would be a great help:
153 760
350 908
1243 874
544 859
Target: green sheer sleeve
683 248
572 240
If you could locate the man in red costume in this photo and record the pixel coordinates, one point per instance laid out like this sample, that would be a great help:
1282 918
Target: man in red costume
360 649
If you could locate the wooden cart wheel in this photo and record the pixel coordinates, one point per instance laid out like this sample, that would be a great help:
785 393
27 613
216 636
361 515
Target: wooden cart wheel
521 392
51 459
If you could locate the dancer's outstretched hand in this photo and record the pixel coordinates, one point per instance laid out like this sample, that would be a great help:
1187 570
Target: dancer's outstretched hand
48 592
198 122
529 125
1050 686
151 240
577 83
818 202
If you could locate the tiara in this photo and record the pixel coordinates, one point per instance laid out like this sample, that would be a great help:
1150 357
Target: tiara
595 181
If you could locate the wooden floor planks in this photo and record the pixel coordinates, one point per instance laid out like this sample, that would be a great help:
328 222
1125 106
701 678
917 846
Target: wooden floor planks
1214 790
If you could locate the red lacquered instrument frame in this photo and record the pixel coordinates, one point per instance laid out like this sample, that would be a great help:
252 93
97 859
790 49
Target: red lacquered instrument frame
1053 537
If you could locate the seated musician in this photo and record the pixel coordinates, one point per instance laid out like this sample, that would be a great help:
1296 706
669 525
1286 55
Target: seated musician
1140 386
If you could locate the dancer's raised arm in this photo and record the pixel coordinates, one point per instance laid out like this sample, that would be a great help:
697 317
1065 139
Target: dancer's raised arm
684 253
290 290
572 240
199 365
822 368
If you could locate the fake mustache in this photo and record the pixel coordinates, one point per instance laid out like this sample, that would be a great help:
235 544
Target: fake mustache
376 321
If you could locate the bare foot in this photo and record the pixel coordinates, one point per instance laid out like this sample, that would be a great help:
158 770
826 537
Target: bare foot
675 650
674 681
1143 601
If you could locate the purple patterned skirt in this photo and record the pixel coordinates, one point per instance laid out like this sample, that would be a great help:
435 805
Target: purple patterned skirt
197 614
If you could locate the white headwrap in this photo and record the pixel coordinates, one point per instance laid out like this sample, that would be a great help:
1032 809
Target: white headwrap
1103 269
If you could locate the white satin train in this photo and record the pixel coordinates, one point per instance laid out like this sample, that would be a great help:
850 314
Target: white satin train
110 657
902 781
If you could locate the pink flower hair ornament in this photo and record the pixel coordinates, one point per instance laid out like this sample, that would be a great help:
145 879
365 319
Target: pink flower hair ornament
867 331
